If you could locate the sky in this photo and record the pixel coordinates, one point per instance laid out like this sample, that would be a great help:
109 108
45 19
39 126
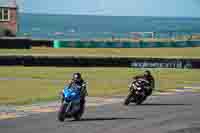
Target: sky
177 8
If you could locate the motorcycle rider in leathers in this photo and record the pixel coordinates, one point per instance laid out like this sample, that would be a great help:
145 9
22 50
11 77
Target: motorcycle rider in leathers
77 80
147 76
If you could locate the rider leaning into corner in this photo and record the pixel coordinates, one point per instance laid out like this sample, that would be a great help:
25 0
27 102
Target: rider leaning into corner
147 76
78 80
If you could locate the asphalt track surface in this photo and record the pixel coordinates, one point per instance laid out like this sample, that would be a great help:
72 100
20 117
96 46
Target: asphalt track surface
178 113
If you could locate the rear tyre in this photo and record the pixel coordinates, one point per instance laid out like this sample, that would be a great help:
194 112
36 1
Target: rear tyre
77 116
61 113
128 99
140 100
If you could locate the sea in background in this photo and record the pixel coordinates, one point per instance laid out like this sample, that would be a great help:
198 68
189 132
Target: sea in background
43 26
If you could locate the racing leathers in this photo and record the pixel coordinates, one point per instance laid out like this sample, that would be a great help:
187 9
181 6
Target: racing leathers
151 81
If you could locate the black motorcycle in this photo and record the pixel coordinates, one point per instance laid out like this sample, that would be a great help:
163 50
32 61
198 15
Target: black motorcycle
137 92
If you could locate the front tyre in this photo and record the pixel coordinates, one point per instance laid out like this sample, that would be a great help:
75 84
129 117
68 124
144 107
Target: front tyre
61 113
128 99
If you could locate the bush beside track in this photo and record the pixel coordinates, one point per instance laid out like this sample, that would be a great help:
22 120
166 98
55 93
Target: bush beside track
27 43
23 43
73 61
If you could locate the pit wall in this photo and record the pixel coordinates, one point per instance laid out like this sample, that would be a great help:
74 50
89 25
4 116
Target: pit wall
26 43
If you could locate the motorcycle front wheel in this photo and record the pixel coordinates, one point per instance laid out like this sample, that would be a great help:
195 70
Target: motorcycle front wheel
61 113
128 99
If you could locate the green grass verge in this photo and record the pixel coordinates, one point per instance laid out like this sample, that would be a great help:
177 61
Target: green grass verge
131 52
34 84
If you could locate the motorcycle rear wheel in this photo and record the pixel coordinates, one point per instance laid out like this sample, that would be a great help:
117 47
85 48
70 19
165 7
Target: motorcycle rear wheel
79 114
140 101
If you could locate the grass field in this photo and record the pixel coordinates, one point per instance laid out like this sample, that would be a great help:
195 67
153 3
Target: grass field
132 52
25 85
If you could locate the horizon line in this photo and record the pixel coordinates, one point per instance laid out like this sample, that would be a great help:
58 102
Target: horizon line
104 15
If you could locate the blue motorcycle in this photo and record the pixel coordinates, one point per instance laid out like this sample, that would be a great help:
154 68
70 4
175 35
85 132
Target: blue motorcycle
71 104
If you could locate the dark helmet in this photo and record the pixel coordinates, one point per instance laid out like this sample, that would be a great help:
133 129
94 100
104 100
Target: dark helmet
76 76
147 73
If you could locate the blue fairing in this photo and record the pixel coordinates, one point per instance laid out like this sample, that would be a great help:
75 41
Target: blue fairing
71 94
